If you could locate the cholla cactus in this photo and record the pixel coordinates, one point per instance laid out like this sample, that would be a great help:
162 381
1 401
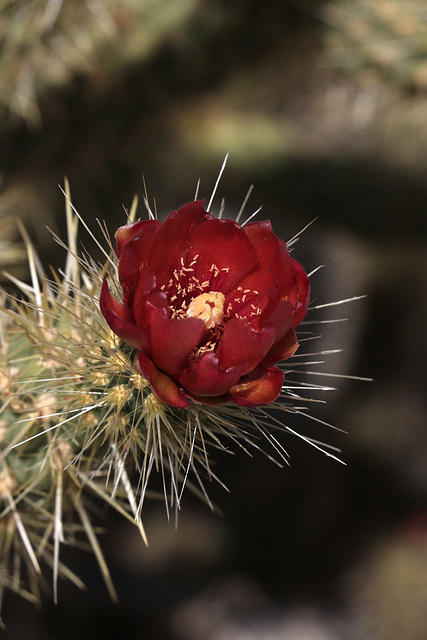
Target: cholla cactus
44 44
386 38
66 393
90 404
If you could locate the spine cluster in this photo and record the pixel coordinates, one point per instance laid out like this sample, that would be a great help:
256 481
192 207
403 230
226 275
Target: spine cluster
79 425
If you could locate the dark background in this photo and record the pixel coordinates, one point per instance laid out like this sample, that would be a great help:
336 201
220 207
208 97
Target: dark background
323 107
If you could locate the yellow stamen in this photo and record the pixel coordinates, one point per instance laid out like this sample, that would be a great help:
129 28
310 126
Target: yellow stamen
209 307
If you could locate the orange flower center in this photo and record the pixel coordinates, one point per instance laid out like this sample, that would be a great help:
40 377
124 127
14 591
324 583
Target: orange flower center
209 307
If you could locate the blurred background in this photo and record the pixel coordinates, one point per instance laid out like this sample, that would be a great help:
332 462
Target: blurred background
322 105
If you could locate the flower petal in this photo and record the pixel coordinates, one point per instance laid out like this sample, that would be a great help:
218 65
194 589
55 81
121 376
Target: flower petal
224 253
135 254
163 387
127 331
146 283
107 302
303 285
171 242
290 276
145 305
261 386
282 318
172 341
254 304
204 376
115 316
282 349
124 234
240 344
272 253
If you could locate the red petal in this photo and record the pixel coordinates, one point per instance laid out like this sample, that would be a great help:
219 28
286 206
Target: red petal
211 400
123 328
242 345
283 349
259 387
171 242
163 387
172 341
263 279
282 318
126 331
259 300
303 285
134 255
107 302
145 305
204 377
222 244
146 283
129 231
272 253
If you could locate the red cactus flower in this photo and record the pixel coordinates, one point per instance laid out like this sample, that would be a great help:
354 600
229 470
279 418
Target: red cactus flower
209 305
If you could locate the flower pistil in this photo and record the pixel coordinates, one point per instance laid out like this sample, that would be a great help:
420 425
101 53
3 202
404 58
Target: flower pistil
209 307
